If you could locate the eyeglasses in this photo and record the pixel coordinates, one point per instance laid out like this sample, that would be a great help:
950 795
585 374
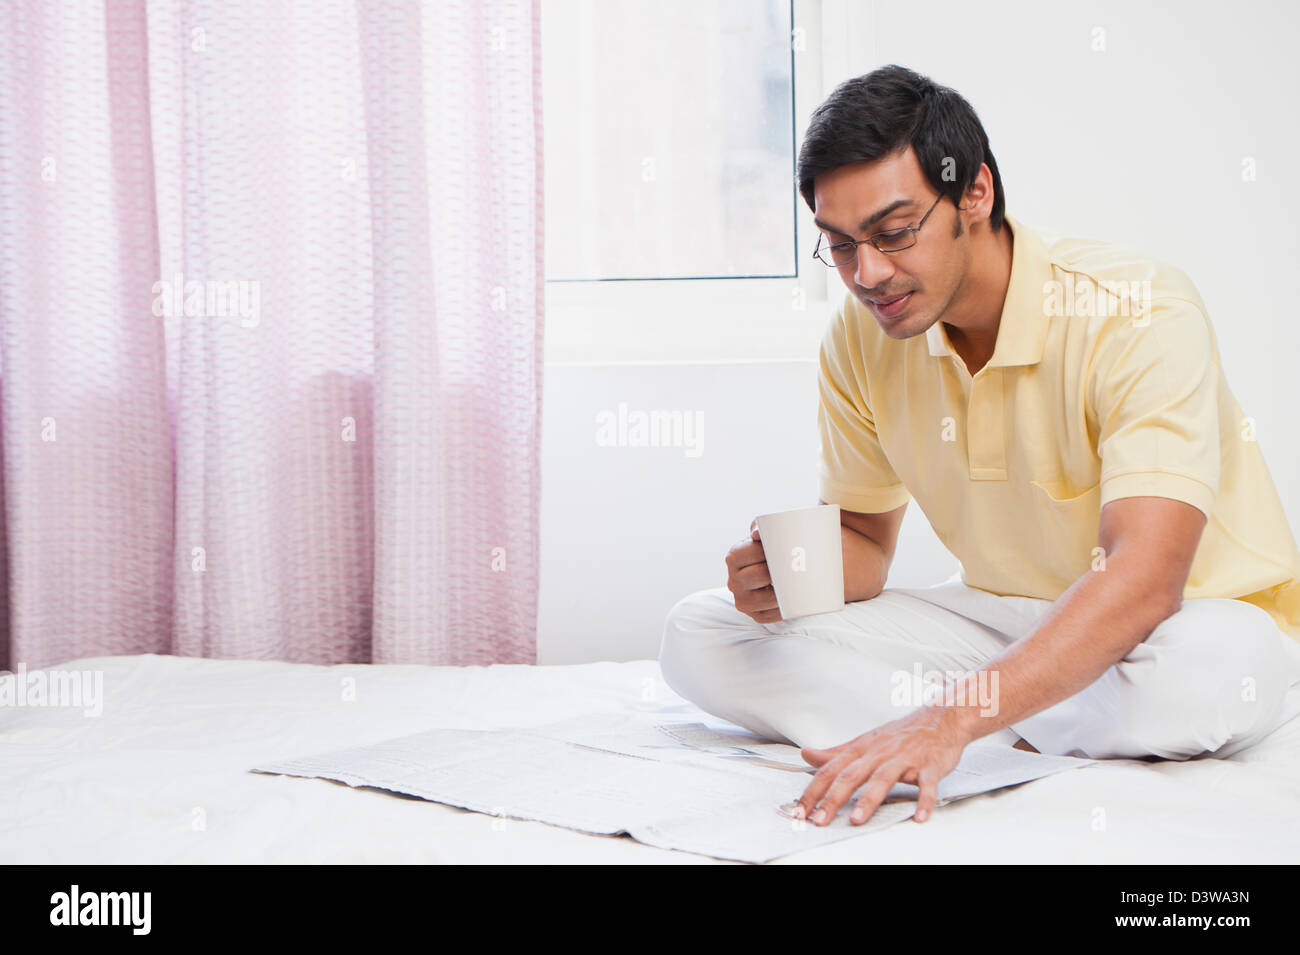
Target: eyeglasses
894 240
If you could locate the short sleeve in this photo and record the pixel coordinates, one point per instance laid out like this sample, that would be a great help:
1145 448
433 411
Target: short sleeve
1154 386
853 471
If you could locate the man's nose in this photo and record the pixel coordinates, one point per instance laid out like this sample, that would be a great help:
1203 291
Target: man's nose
874 267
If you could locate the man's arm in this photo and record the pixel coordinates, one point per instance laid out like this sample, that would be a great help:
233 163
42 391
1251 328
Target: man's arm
869 541
1148 544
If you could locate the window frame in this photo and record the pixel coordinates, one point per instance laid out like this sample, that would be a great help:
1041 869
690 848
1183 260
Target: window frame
725 319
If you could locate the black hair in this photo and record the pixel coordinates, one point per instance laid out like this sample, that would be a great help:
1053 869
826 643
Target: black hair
885 111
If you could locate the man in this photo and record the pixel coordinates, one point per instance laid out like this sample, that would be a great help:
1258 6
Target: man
1129 584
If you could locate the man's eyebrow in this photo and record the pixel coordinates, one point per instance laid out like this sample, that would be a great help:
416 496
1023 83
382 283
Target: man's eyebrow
871 220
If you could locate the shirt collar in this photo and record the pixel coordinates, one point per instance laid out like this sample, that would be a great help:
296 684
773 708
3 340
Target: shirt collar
1023 327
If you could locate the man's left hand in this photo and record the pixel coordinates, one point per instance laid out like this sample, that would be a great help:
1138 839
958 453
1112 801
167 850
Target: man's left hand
920 748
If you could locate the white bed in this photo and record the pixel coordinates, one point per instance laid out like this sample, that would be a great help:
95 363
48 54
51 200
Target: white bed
163 776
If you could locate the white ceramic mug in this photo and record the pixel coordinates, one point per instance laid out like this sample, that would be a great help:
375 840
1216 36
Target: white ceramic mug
803 549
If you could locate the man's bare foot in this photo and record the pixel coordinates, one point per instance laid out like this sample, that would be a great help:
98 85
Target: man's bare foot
1024 744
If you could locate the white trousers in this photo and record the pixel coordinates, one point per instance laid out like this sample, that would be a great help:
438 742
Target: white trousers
1215 677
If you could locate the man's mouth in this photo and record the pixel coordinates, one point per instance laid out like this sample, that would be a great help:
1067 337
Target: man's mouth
888 301
891 308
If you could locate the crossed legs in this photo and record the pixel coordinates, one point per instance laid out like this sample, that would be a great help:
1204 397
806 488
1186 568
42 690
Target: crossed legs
1214 677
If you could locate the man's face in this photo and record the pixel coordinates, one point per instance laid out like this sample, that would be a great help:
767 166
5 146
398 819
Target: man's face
931 271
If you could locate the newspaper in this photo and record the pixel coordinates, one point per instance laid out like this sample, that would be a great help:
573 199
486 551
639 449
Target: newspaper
718 791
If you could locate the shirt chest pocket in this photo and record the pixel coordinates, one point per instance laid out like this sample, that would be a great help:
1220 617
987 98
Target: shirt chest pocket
1067 516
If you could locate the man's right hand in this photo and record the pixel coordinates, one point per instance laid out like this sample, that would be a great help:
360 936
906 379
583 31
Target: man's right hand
749 581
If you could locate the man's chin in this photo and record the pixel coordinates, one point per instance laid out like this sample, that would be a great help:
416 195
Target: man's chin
905 326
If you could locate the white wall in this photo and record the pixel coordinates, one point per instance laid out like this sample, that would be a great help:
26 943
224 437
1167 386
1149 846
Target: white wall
627 531
1141 144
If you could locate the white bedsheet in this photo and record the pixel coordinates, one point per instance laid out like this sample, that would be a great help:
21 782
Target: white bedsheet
162 776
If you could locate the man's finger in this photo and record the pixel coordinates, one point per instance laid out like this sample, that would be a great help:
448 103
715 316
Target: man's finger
845 785
753 601
743 553
755 576
821 781
928 781
816 757
881 782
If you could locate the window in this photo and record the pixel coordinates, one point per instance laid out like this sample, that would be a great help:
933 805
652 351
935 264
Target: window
669 139
674 226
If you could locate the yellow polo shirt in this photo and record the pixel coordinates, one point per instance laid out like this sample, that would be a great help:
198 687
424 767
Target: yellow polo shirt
1105 383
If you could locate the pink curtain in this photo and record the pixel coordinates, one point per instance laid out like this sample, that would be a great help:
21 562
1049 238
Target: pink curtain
271 291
